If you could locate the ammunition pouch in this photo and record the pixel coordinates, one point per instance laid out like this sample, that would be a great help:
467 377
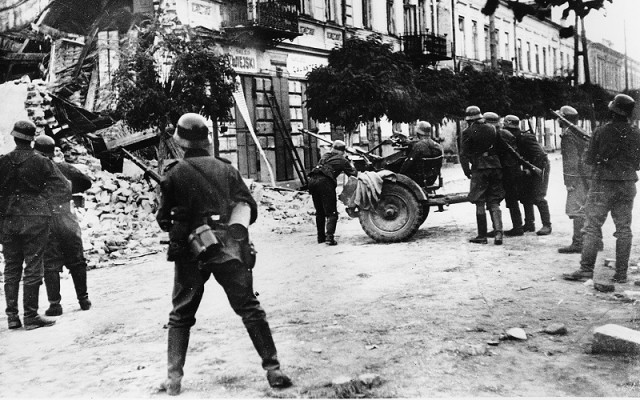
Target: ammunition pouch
220 243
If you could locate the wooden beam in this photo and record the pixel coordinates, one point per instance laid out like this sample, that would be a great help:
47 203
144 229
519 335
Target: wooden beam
23 57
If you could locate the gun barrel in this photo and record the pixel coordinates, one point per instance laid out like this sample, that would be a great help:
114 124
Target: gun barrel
581 133
349 150
151 173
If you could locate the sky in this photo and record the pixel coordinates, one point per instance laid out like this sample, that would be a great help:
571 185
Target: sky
609 24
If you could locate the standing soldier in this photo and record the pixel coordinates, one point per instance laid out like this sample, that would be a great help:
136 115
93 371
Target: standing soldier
65 241
480 147
614 154
26 180
575 173
322 187
202 197
533 186
511 175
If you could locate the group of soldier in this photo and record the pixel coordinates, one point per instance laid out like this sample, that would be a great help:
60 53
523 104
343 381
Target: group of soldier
506 163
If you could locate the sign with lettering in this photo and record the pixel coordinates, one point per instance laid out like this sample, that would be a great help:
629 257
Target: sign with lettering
306 30
334 35
300 65
205 13
243 60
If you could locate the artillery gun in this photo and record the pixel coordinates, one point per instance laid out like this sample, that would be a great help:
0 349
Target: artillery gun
403 204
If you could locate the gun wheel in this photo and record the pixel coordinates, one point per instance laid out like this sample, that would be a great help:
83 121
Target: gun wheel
397 216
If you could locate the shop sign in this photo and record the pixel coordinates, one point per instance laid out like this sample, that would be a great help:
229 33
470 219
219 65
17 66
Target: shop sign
300 65
243 60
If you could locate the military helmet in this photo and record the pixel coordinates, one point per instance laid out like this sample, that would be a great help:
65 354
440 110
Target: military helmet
45 145
491 117
569 113
511 121
339 145
423 128
25 130
192 132
472 113
622 105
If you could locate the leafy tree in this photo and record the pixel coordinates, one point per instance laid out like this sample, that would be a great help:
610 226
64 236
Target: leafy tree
363 81
486 89
442 96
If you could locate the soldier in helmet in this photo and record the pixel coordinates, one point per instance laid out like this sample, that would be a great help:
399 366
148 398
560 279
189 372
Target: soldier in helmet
614 154
576 175
424 150
322 187
26 182
533 188
480 147
65 242
204 199
511 175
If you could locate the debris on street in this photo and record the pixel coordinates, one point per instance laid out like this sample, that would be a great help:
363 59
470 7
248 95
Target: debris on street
613 338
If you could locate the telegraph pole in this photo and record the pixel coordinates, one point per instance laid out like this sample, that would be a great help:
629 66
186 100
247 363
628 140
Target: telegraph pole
626 59
453 32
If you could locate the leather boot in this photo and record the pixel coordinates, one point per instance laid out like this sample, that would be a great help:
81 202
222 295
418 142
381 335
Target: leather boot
576 240
623 250
481 221
260 335
580 275
529 218
31 318
496 220
332 222
177 344
320 221
11 292
79 276
52 284
545 216
516 221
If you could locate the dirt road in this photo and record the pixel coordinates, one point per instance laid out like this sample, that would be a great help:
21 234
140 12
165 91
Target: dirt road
418 314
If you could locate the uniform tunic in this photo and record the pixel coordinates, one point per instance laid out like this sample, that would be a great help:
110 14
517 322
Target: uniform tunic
534 187
423 162
575 173
511 170
323 182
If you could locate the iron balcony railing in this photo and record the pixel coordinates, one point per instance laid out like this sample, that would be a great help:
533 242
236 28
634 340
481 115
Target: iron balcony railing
428 46
274 15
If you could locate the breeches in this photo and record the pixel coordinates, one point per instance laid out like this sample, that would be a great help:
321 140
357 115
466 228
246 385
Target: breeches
25 240
486 186
577 189
323 193
610 196
534 187
65 243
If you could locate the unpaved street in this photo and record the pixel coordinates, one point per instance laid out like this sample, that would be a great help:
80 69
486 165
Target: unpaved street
418 314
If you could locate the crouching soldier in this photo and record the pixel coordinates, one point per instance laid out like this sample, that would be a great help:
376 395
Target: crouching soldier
208 196
65 240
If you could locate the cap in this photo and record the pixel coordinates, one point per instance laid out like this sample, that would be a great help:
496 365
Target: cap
25 130
622 105
472 113
423 128
512 122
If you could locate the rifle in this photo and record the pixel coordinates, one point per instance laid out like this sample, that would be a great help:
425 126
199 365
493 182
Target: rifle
349 150
148 172
517 155
573 128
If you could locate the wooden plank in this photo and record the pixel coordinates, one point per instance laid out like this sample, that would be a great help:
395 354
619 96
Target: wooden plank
23 57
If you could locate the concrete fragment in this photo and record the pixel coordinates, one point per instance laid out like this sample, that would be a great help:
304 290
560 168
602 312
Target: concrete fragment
556 329
613 338
517 333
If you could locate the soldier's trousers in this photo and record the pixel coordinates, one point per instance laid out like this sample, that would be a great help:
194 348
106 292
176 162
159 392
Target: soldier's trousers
25 240
577 189
608 196
486 187
323 194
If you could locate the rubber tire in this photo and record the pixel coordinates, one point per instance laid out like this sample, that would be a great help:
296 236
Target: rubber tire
425 213
406 215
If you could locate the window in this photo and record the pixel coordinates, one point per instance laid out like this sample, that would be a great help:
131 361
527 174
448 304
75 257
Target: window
462 50
562 63
305 7
474 39
410 19
366 13
329 10
554 55
537 59
391 18
507 48
497 38
529 57
519 56
487 43
544 60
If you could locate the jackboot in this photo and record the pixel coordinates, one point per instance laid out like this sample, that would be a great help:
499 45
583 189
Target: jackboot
623 250
545 216
177 344
529 218
320 221
481 221
79 276
260 335
52 284
332 222
31 318
496 220
11 292
576 240
516 221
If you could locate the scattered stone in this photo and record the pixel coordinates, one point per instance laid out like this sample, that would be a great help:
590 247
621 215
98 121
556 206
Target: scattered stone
632 294
371 347
588 282
316 349
473 349
556 329
613 338
493 342
517 333
370 380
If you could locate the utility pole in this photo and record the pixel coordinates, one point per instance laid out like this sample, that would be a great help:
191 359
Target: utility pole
585 53
626 59
576 51
453 35
492 42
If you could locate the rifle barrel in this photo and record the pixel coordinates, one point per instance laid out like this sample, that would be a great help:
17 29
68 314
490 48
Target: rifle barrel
148 171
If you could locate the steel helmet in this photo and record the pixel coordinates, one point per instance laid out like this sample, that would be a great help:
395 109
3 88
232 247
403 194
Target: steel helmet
491 117
45 145
472 113
512 122
622 105
569 113
339 145
423 128
25 130
192 132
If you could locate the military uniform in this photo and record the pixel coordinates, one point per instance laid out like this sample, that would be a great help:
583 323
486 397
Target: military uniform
322 187
26 182
423 162
511 178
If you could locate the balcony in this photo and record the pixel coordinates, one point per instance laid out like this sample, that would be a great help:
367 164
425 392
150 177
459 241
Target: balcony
269 21
425 48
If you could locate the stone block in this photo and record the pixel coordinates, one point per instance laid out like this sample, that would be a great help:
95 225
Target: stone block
613 338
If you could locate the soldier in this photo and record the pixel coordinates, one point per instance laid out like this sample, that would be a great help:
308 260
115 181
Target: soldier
65 241
614 154
425 150
26 182
575 173
511 176
202 195
533 186
322 187
480 147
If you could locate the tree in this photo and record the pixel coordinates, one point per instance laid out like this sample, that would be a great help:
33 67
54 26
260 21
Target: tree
363 81
200 81
442 95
